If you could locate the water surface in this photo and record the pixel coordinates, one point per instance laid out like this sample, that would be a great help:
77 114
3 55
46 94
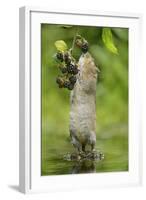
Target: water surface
114 146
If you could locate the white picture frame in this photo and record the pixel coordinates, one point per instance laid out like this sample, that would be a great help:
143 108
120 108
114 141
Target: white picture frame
29 160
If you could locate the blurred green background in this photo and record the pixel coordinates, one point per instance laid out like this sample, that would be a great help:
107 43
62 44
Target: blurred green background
111 98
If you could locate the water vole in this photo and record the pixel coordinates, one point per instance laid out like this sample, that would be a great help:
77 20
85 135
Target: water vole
83 105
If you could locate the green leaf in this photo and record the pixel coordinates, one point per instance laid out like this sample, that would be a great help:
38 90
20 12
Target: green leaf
61 45
107 38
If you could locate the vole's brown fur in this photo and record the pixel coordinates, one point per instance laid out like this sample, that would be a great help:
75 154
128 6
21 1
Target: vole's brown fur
83 105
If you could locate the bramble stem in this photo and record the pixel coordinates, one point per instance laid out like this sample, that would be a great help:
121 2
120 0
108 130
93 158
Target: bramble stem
74 39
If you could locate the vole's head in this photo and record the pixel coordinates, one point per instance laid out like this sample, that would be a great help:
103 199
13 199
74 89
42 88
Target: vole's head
88 73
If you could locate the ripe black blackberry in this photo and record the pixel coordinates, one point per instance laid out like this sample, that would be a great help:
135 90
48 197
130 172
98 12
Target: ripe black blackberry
84 47
70 68
59 56
70 86
66 84
73 79
75 71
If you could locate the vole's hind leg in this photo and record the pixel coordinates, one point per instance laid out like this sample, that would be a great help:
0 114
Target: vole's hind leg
76 145
75 141
92 140
93 147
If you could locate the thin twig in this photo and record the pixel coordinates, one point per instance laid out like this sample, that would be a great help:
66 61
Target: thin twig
74 39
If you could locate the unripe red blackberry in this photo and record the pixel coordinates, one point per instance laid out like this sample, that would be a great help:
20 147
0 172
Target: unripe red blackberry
78 43
60 86
67 58
60 82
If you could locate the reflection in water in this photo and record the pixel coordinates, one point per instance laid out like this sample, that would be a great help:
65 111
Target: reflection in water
85 166
55 160
83 162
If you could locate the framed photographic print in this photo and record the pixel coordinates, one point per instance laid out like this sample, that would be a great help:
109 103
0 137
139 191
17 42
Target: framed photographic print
79 100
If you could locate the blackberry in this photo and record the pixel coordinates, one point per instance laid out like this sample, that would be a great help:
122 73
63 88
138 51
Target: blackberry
78 43
66 84
60 86
59 56
73 79
70 68
67 61
84 47
67 58
58 80
70 86
75 71
63 70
